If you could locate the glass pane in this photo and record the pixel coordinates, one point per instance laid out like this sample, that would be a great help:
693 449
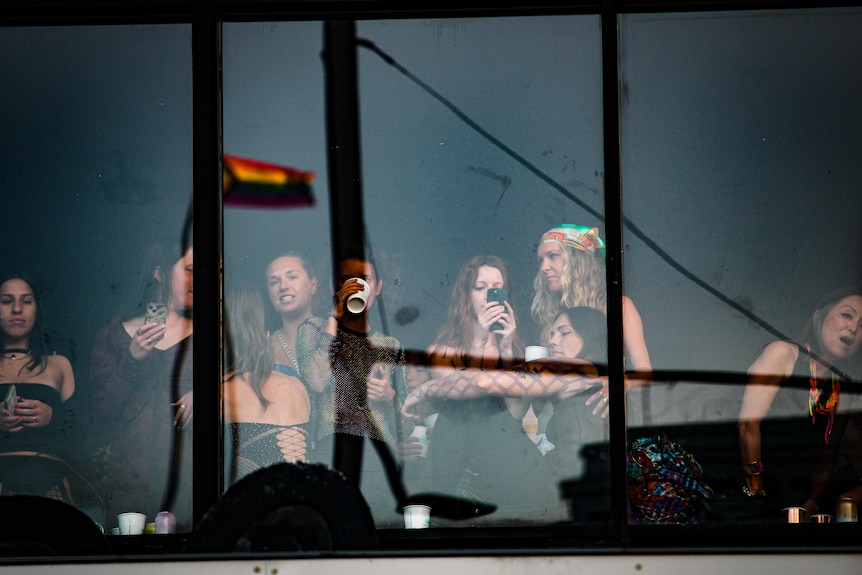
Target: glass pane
741 136
483 135
514 150
276 250
96 187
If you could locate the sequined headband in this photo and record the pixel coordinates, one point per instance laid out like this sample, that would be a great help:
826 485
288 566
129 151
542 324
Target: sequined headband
584 238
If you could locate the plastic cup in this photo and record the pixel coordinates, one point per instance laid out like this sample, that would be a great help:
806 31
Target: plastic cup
131 523
534 352
417 517
357 302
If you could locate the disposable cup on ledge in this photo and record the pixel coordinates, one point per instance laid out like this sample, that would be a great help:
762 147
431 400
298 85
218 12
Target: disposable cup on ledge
795 514
417 517
131 523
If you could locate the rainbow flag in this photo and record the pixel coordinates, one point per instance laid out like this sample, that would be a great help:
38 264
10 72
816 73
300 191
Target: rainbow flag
252 183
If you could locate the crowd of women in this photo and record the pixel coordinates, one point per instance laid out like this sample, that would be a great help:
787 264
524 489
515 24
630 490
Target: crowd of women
290 390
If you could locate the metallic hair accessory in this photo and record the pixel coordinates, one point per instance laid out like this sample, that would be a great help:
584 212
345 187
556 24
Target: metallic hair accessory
584 238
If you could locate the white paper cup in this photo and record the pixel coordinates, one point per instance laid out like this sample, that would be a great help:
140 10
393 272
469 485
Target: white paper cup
131 523
356 303
420 433
417 517
534 352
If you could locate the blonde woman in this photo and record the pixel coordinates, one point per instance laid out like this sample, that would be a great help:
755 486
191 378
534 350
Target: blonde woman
572 273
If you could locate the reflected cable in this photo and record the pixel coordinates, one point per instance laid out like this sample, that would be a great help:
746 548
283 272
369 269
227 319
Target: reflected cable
632 227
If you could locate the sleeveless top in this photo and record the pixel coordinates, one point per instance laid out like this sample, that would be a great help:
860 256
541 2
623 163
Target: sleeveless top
49 439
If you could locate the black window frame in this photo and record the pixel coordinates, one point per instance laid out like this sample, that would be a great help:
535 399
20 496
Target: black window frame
205 18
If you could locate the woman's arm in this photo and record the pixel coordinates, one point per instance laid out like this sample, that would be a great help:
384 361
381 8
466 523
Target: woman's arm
315 349
769 370
537 379
635 345
114 373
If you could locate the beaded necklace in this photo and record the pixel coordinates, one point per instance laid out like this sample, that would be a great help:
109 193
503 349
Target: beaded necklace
286 349
815 407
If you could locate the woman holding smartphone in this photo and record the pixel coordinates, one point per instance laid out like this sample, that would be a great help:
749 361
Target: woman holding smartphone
463 454
34 385
141 370
479 331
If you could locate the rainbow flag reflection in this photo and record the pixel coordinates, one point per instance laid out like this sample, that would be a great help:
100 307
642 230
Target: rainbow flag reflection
253 183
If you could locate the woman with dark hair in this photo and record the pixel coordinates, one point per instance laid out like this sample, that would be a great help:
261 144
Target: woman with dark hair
141 371
827 357
265 411
34 386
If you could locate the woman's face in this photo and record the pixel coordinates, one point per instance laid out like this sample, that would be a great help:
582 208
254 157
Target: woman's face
487 277
17 308
841 332
290 289
565 341
182 282
550 256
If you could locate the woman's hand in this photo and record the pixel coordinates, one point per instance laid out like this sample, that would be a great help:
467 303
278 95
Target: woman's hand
9 422
34 413
184 405
507 320
577 385
410 449
145 339
601 399
349 288
377 385
411 407
492 312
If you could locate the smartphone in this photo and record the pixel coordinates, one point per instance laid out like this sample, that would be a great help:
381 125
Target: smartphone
11 399
498 295
156 313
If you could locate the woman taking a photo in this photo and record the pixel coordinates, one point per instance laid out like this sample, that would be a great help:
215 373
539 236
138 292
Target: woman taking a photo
141 370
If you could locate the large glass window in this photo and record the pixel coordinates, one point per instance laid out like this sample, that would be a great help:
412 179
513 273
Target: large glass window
96 187
741 135
478 136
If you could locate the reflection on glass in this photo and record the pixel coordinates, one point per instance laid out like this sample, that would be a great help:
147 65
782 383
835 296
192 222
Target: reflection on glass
740 134
266 410
141 373
521 153
97 166
489 130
